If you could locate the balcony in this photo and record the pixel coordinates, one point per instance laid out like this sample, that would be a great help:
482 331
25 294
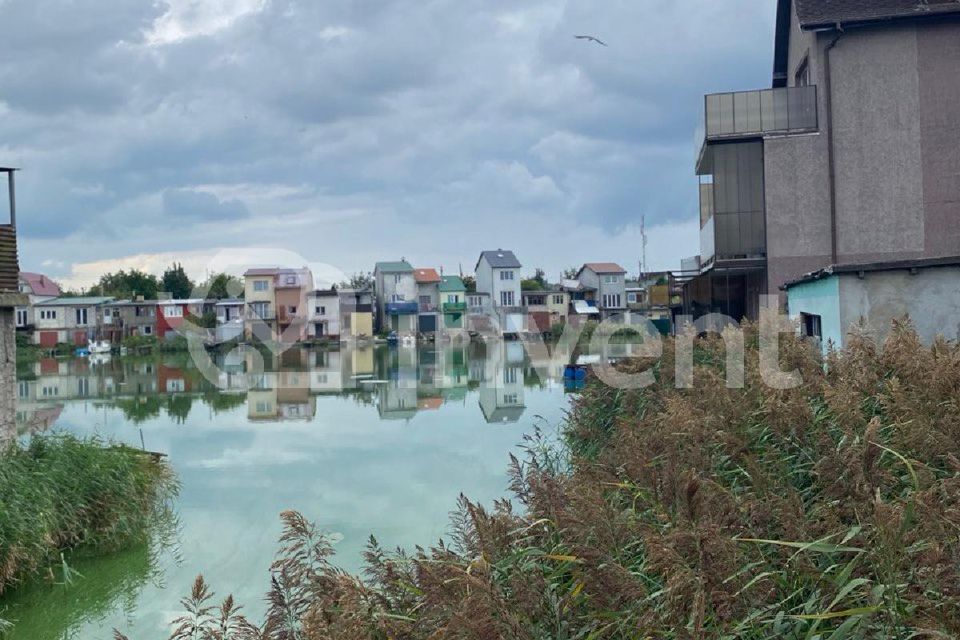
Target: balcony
401 308
454 307
754 114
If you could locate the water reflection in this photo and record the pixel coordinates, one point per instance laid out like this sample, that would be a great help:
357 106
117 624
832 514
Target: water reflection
363 441
398 382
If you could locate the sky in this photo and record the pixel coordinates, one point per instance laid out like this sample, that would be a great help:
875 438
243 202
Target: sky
340 133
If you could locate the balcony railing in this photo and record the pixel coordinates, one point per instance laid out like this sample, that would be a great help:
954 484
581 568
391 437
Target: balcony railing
454 307
745 113
401 308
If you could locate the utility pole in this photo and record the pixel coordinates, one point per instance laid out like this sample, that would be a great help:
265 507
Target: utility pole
643 241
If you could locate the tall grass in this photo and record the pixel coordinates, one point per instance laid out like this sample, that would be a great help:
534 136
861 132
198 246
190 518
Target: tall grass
58 493
828 511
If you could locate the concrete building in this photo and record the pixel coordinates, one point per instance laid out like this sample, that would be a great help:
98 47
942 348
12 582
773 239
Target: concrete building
171 314
608 279
10 299
38 288
850 157
276 304
396 294
122 319
428 300
826 304
74 321
356 314
545 309
323 306
498 276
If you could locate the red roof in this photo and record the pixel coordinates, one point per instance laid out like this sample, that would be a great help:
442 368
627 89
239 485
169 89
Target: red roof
604 267
426 276
40 284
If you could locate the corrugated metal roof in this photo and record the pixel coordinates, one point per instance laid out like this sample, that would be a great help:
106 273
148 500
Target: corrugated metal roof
500 259
452 283
400 266
426 276
869 267
79 301
602 267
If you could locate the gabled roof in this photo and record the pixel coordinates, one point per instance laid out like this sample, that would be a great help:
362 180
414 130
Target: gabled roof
426 276
452 283
261 272
401 266
80 301
40 284
499 259
602 268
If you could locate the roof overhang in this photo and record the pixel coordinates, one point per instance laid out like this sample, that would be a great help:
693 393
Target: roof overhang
861 269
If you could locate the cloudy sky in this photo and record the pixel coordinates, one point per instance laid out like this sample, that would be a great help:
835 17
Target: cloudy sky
347 132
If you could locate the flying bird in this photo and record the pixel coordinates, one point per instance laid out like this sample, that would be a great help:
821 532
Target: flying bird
592 39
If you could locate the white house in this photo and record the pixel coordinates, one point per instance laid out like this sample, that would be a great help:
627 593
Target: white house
609 281
498 276
323 307
396 293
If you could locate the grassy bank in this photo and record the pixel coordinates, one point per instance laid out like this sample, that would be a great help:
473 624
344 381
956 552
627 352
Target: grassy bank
828 511
61 493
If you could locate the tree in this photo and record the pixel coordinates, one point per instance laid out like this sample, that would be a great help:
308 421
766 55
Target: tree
359 280
127 285
176 282
571 273
470 283
222 286
537 282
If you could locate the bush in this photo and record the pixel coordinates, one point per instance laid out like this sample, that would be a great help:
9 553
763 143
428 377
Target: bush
60 492
826 511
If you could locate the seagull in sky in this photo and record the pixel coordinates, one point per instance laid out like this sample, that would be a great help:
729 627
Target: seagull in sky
592 39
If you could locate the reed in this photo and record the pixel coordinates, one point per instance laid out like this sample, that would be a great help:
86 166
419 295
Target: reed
829 511
60 493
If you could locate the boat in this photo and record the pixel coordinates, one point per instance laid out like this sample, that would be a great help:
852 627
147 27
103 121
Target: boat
99 346
393 339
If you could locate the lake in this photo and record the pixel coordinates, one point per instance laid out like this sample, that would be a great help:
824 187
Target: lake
363 441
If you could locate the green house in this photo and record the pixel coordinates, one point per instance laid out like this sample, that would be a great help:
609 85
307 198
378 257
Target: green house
453 301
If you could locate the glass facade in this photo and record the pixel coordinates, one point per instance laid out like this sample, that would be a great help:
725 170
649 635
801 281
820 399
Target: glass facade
735 201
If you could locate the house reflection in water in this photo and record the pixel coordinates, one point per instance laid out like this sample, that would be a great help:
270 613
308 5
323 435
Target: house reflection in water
399 381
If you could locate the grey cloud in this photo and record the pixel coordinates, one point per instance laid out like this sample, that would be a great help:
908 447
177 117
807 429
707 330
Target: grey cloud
188 203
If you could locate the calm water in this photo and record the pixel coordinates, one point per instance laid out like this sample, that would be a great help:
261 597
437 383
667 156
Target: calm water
363 441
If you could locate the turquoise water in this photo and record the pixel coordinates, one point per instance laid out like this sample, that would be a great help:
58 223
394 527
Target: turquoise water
312 433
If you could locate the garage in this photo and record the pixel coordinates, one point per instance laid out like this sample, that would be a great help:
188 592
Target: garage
48 339
428 323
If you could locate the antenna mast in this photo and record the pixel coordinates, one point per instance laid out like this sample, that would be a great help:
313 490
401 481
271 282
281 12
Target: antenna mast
643 240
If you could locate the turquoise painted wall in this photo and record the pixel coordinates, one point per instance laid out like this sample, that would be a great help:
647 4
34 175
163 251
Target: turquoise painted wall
821 298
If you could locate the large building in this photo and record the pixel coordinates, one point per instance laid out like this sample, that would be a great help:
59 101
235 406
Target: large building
850 156
498 277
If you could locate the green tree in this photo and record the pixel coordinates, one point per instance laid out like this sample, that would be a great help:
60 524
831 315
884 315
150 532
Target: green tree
359 280
127 285
571 273
222 286
176 282
470 283
537 282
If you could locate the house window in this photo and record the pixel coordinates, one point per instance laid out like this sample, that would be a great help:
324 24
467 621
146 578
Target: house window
510 375
453 298
397 297
506 298
506 275
611 300
147 330
558 299
291 279
811 326
321 311
173 311
396 278
48 314
425 300
631 298
81 316
260 309
21 317
292 310
510 398
261 285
